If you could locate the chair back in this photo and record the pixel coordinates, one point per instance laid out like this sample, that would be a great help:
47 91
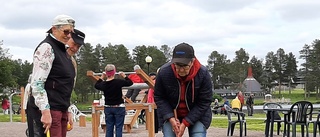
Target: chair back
300 110
228 109
271 105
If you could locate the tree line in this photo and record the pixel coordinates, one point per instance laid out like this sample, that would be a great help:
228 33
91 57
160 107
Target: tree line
278 68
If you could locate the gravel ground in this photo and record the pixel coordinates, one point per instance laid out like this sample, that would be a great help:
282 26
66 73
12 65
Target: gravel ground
17 129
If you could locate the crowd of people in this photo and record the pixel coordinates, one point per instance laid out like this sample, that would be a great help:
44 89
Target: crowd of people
182 91
236 104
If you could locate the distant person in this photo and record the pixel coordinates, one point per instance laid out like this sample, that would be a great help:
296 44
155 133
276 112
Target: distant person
5 106
183 94
236 104
150 99
241 98
215 106
114 109
225 102
250 103
135 78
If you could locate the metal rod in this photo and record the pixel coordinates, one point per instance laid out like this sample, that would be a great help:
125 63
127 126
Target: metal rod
117 73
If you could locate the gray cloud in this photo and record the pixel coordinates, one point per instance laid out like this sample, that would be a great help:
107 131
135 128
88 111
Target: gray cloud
225 26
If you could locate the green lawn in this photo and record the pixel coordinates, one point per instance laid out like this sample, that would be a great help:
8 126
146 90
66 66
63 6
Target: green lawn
256 122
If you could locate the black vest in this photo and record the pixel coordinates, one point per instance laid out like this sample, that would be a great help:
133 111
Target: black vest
59 83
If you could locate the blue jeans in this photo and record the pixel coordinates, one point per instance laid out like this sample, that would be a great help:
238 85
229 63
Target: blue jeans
196 130
114 118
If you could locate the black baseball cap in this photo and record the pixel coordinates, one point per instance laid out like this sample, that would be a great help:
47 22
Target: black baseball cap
78 37
182 53
152 74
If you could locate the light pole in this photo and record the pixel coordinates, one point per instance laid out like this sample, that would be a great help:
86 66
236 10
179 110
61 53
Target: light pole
148 61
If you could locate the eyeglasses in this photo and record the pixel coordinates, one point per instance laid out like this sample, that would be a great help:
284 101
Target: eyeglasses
66 31
179 66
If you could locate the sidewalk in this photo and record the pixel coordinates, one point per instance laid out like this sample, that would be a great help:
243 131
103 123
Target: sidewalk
17 129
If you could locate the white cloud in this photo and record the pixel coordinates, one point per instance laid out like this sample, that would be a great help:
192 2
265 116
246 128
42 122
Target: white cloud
225 26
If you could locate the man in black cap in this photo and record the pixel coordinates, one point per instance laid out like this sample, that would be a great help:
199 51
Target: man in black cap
74 44
183 94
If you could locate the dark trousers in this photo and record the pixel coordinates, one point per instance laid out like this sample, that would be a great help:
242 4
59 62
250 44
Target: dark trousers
250 110
132 93
35 126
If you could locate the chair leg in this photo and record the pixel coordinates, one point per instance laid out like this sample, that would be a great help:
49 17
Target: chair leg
241 128
232 128
284 130
302 130
307 128
229 128
315 129
278 128
288 133
245 128
293 130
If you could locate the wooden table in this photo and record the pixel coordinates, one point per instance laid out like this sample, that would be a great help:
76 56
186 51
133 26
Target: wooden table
149 107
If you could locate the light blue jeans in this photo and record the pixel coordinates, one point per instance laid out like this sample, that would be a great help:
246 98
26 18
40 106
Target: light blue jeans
196 130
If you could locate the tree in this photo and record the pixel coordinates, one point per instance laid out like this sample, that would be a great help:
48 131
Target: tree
280 63
86 61
119 56
290 69
218 67
167 51
141 52
268 74
6 70
239 67
257 68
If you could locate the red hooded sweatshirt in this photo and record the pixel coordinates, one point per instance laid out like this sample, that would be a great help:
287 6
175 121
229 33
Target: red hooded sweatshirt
182 110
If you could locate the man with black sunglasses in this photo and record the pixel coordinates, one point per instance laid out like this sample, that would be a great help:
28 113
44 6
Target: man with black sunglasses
183 94
52 81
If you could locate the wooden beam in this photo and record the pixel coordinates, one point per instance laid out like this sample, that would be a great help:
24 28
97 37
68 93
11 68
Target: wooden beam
140 73
145 77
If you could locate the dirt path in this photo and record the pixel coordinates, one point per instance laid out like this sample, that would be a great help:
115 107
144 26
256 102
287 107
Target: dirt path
17 129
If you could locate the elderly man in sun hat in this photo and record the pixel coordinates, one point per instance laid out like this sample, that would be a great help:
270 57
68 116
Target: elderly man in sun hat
52 81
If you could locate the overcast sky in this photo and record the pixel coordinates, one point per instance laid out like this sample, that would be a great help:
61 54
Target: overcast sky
258 26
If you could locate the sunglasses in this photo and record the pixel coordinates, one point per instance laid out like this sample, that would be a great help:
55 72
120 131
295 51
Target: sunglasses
66 31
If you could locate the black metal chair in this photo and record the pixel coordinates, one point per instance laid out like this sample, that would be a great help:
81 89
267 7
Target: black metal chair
240 118
300 114
278 120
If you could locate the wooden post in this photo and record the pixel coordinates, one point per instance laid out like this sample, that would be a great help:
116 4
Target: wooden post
82 121
23 112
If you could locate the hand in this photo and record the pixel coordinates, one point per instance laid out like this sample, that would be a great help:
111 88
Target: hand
103 76
122 74
46 119
175 125
182 128
70 121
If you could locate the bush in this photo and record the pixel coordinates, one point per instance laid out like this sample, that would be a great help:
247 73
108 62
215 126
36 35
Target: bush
216 96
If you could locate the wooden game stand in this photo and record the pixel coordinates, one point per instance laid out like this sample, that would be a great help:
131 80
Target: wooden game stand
149 107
